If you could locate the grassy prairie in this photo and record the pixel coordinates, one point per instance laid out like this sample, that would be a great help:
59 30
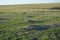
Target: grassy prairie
43 24
27 7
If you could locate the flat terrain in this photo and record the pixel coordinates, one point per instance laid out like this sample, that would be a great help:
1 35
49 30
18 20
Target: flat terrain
28 7
34 22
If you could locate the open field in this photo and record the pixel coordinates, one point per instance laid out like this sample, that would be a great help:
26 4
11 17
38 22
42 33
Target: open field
38 24
28 7
15 25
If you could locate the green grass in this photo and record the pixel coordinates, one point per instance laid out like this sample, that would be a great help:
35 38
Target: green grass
12 25
30 22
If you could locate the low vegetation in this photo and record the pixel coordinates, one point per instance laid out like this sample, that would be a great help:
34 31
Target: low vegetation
30 25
